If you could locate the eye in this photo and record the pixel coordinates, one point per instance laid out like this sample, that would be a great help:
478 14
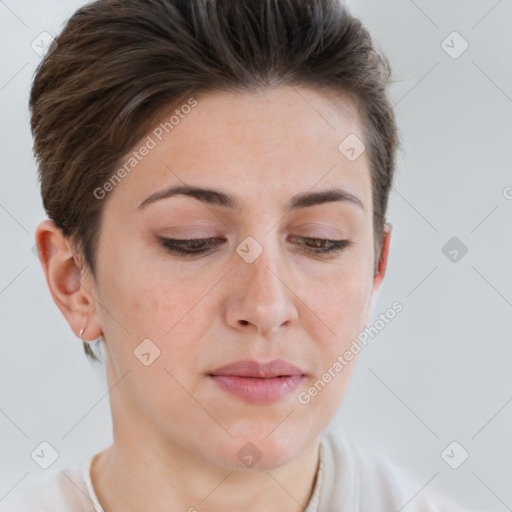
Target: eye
193 246
323 245
190 246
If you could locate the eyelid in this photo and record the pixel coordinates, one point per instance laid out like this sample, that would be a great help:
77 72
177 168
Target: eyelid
319 230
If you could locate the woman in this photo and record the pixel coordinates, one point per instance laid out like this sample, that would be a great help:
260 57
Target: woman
216 175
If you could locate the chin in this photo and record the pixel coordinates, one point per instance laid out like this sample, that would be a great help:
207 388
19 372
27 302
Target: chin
259 450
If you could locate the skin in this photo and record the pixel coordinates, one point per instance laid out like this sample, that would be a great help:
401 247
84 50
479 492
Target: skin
175 431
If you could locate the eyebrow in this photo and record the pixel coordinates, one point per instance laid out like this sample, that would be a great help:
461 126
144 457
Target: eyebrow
224 199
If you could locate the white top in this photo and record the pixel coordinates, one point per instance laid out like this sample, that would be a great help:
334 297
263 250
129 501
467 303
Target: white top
349 479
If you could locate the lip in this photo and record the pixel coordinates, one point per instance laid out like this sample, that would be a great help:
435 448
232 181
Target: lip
251 368
257 382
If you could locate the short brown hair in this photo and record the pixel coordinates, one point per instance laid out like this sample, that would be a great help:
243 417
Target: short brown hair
119 64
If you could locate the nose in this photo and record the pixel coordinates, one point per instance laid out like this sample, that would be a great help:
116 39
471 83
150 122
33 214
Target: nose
263 300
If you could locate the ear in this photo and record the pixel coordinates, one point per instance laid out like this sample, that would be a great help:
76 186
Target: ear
67 283
381 271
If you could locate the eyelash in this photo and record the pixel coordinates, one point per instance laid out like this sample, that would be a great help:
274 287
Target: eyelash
186 247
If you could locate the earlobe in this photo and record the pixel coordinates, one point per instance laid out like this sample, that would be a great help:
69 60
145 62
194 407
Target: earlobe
64 277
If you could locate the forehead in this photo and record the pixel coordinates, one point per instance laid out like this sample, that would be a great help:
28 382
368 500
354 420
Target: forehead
275 118
275 140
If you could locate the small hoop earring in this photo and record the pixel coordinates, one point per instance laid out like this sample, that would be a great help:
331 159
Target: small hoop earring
82 332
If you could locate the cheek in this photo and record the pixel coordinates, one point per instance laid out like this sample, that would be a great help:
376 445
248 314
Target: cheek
165 310
157 305
340 301
339 304
142 305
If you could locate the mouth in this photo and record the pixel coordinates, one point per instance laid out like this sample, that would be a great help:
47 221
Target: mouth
258 383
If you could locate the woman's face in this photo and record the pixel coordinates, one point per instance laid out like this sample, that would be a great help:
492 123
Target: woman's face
259 293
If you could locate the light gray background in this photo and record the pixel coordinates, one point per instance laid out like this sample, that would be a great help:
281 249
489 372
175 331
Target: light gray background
439 372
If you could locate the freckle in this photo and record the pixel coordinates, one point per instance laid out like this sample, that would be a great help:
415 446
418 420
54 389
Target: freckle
136 303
